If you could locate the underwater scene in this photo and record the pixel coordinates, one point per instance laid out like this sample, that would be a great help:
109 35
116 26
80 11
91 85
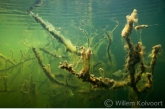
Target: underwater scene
82 53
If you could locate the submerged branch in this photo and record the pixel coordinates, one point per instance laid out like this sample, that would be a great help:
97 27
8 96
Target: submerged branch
7 59
85 75
134 56
46 70
96 82
52 54
18 64
56 34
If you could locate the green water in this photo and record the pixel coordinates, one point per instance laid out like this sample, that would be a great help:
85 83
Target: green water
24 83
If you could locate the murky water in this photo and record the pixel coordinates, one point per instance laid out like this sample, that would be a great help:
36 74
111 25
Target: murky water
36 36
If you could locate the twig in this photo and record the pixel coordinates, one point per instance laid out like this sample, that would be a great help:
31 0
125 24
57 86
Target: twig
108 46
22 55
86 34
95 35
36 3
155 51
11 53
98 63
98 43
5 83
113 30
48 52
